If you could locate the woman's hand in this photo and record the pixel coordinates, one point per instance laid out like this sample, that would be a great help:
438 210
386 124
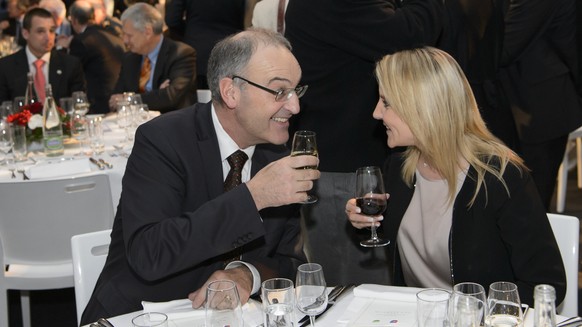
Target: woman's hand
357 219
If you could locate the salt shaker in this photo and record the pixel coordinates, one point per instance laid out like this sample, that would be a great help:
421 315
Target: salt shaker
544 305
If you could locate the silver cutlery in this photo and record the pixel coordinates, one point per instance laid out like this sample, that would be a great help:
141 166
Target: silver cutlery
574 321
23 172
97 163
12 172
107 164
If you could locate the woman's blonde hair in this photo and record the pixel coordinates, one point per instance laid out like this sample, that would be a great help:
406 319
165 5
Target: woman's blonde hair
429 92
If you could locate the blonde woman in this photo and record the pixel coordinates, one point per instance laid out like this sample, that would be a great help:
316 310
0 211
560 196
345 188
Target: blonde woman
462 206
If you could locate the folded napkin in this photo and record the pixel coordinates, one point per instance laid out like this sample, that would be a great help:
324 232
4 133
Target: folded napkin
393 293
59 167
181 309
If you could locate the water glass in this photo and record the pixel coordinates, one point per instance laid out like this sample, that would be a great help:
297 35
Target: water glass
432 307
278 297
223 307
468 305
150 319
6 140
19 142
503 306
96 139
80 103
6 109
19 102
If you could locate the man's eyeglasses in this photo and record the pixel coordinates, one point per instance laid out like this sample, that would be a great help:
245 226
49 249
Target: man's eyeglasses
281 95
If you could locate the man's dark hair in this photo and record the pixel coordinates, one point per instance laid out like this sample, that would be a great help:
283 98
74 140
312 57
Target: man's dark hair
83 14
35 12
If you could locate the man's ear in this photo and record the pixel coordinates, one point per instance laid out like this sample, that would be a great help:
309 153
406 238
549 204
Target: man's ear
229 92
25 33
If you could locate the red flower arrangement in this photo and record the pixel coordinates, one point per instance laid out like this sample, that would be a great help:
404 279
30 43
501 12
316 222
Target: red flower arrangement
30 116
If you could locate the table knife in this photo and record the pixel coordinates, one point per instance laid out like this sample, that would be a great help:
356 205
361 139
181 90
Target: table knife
333 297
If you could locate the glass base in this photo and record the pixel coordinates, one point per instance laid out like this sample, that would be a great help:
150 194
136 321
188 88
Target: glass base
374 243
310 199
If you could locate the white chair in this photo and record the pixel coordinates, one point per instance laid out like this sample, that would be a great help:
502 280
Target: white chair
204 96
89 253
567 232
574 142
37 221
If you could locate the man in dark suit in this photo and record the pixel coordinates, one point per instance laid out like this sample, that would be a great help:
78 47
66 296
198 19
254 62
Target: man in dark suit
166 68
202 23
540 72
177 224
64 72
100 53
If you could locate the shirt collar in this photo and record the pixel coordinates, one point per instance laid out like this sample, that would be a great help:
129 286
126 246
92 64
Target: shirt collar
156 51
225 143
32 58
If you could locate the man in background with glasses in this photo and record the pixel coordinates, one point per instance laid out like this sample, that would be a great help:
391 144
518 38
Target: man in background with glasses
210 191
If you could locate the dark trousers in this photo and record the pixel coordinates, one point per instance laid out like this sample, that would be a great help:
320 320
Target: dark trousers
544 160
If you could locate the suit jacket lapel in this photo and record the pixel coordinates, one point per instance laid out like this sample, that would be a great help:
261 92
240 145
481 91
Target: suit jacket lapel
55 71
159 69
134 70
208 150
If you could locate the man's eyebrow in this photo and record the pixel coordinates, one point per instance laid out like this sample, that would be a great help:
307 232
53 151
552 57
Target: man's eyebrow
279 79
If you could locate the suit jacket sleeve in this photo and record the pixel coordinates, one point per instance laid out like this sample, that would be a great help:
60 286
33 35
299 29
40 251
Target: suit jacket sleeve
172 222
180 69
525 22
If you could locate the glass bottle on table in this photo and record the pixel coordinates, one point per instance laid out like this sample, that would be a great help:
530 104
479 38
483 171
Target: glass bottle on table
52 129
30 95
545 306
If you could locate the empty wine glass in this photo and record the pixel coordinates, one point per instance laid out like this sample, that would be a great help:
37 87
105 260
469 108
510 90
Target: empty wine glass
468 305
310 290
304 144
6 140
80 102
503 306
6 109
223 306
371 199
18 103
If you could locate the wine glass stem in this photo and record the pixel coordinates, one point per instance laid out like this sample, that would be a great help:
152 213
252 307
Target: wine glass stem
374 234
312 321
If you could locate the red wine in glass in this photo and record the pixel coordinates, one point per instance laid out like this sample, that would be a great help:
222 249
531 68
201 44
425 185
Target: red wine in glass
371 199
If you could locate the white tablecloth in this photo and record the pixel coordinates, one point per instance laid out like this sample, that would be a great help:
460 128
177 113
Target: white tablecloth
336 316
113 135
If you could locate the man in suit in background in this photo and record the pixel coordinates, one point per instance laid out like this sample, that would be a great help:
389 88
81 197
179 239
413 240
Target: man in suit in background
540 71
100 53
12 26
163 71
202 23
62 71
182 216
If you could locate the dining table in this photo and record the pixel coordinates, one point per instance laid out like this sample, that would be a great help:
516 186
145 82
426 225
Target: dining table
366 305
79 161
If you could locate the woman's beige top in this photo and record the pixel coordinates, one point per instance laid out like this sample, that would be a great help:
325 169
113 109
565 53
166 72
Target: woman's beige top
424 234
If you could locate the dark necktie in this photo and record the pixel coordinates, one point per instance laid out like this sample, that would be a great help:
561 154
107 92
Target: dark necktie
236 161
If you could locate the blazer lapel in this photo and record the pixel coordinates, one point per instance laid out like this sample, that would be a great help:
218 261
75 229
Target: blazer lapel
208 150
160 62
135 67
55 72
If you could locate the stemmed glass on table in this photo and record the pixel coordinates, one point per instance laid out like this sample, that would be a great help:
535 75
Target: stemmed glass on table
304 144
80 103
468 305
223 307
6 143
503 306
371 199
310 290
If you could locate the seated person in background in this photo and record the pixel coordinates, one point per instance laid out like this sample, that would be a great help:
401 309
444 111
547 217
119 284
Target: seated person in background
63 72
180 219
163 71
462 205
100 53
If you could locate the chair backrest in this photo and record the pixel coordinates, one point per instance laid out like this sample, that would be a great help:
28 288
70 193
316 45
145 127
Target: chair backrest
89 253
204 96
38 218
567 232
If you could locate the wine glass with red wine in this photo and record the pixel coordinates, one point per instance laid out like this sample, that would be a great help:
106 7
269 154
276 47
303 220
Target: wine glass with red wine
371 199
